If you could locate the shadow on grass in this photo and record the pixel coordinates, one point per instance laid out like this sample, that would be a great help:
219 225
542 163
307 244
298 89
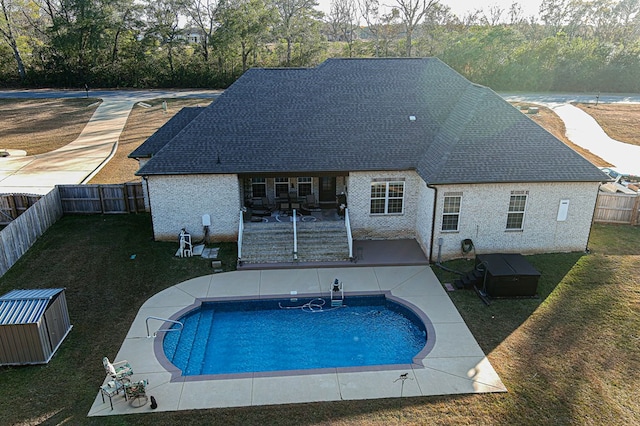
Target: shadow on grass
492 324
569 357
579 352
109 265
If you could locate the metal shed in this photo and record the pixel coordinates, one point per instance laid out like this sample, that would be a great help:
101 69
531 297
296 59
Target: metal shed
33 324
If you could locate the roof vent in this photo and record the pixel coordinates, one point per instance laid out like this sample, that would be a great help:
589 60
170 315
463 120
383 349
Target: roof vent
412 118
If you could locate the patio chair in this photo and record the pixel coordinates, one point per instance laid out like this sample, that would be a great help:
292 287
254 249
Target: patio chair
136 393
261 207
310 202
118 371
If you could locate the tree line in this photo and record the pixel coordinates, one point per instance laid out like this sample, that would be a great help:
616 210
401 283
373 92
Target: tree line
570 45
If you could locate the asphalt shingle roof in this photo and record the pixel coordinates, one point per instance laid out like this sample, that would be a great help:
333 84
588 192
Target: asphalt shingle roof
167 132
354 115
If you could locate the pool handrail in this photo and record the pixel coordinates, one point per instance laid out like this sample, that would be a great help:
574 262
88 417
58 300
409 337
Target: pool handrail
162 329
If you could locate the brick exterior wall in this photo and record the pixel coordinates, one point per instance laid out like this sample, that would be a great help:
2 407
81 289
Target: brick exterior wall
424 217
393 226
180 201
483 218
145 192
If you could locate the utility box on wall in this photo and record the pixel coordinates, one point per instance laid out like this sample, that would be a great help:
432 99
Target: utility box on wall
33 324
508 275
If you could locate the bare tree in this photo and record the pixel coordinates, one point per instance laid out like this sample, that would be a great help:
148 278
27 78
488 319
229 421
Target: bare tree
7 30
472 17
342 20
295 18
628 13
494 15
370 11
163 19
412 12
203 15
515 14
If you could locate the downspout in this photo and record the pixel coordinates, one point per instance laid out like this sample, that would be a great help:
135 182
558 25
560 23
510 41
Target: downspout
433 220
433 227
593 215
146 181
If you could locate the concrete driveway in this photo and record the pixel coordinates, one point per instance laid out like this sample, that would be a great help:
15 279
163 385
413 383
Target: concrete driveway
78 161
584 131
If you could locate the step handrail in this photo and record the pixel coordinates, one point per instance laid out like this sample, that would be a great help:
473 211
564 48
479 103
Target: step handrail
295 236
162 329
347 224
240 231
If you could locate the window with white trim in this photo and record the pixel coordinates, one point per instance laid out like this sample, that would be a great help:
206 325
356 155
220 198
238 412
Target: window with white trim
451 211
304 186
282 187
258 187
387 196
517 206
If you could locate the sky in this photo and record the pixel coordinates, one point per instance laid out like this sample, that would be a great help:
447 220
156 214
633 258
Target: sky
461 7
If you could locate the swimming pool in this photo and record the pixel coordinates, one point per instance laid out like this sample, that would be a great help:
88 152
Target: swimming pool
252 336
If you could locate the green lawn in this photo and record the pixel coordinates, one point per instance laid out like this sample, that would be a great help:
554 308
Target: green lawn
571 356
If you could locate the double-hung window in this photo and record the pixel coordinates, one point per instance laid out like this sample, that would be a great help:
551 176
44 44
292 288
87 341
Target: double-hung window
517 206
304 186
282 187
258 187
387 196
451 211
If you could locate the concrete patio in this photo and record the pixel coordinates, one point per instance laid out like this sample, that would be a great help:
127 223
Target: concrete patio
454 363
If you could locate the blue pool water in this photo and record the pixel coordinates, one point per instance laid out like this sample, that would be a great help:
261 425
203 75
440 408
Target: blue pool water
275 335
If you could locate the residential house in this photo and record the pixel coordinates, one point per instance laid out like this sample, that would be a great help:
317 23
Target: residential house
418 150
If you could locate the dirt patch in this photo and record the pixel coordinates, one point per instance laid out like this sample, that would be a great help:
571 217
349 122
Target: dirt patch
554 125
42 125
620 121
142 123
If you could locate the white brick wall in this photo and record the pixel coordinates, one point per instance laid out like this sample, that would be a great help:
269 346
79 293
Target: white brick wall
180 201
483 218
147 206
367 226
424 217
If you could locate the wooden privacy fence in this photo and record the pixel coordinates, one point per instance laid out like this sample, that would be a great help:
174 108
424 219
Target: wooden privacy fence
617 208
107 199
13 205
22 232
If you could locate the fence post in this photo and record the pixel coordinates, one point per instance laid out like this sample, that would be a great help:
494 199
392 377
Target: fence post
634 212
12 205
125 197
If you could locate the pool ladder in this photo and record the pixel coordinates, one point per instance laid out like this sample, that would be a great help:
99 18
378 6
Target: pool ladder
337 293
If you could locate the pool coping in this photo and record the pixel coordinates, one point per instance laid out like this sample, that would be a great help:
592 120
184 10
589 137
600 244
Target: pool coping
176 374
453 364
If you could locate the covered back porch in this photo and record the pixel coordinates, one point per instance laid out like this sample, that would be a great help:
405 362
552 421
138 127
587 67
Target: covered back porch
271 196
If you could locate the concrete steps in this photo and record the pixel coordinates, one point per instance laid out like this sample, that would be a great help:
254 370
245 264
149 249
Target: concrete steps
273 242
322 242
267 243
